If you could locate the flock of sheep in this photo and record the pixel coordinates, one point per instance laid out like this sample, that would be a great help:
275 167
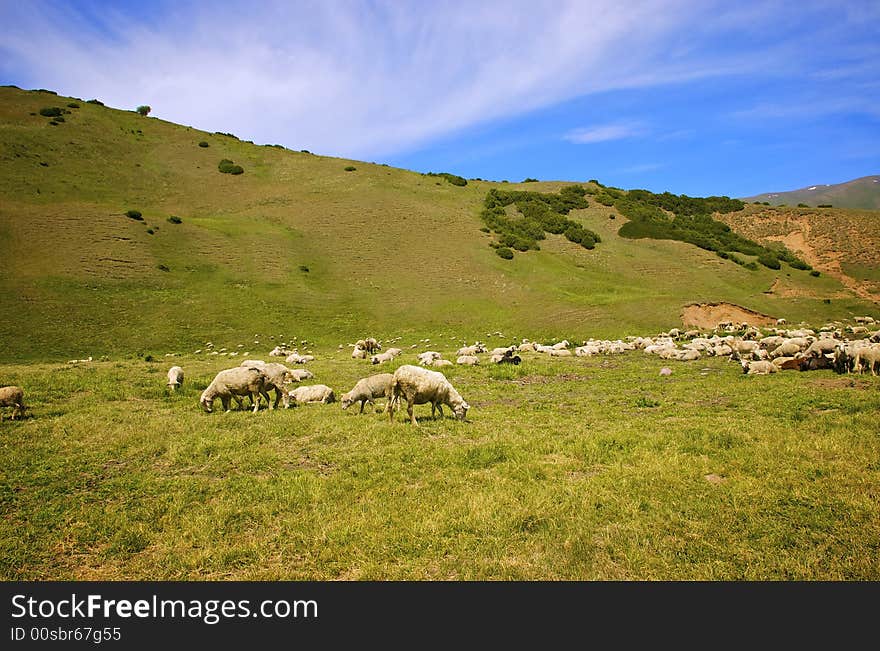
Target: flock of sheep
844 348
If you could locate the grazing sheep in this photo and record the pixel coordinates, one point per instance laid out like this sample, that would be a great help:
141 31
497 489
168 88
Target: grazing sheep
12 396
468 360
277 377
175 377
371 346
471 350
420 386
759 368
232 382
870 355
368 388
312 393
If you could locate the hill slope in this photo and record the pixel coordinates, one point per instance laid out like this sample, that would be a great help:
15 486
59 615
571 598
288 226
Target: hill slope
862 193
300 246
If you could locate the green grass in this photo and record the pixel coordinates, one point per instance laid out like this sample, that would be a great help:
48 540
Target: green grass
583 469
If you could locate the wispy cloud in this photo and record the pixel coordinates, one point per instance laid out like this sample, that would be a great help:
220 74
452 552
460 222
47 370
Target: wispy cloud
604 133
641 169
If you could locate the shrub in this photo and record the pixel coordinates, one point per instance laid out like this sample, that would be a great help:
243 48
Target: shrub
143 110
769 260
814 273
150 231
350 168
304 268
72 105
95 101
827 301
824 205
452 178
204 143
228 167
134 214
305 151
54 123
163 267
50 112
174 219
504 252
530 180
802 205
60 118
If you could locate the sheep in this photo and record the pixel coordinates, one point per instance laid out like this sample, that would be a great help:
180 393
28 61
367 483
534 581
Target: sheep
296 358
300 374
758 368
471 350
312 393
277 376
505 359
358 352
12 396
468 360
441 362
506 350
175 377
368 388
869 354
420 386
371 346
561 344
787 349
381 358
559 352
426 358
232 382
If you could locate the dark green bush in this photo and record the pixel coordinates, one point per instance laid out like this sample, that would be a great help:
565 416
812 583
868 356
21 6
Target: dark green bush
814 273
824 205
802 205
163 267
134 214
204 143
95 101
769 260
452 178
304 268
150 231
143 110
530 180
504 252
350 168
72 105
827 301
50 112
174 219
228 167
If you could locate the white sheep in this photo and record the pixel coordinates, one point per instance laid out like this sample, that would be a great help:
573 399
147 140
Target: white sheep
471 350
441 362
358 352
759 368
428 357
232 382
366 389
278 376
468 360
312 393
175 377
420 386
300 374
12 396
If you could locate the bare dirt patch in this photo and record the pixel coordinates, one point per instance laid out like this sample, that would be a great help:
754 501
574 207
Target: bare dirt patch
709 315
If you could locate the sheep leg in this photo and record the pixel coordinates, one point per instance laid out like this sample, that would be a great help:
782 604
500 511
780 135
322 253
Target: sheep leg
224 400
363 402
409 410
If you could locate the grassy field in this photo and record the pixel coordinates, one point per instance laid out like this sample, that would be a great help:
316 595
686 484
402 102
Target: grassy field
575 468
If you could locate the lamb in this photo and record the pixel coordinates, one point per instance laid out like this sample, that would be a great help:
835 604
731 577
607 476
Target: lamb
175 377
759 368
468 360
12 396
368 388
312 393
420 386
232 382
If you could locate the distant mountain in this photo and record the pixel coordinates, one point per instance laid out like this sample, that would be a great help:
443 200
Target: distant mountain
861 193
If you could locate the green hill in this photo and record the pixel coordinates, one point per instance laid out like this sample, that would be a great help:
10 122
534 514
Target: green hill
319 248
862 193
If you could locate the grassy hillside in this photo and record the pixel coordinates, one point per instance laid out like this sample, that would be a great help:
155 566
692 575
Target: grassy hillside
299 245
862 193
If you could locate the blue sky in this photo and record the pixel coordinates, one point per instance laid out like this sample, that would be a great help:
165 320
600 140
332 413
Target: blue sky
698 98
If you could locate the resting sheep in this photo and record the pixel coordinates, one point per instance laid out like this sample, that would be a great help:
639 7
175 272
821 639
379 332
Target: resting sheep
468 360
12 396
175 377
232 382
300 374
428 357
312 393
420 386
759 368
368 388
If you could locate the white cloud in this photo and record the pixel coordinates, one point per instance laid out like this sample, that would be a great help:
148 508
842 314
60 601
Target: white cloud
603 133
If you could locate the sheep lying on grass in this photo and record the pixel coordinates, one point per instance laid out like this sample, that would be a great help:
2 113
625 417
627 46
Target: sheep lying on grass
419 386
759 368
233 382
312 393
368 388
12 396
175 377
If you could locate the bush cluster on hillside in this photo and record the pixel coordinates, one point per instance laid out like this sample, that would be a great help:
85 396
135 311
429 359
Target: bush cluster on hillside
452 178
689 219
540 213
174 219
204 143
229 167
134 214
50 112
350 168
